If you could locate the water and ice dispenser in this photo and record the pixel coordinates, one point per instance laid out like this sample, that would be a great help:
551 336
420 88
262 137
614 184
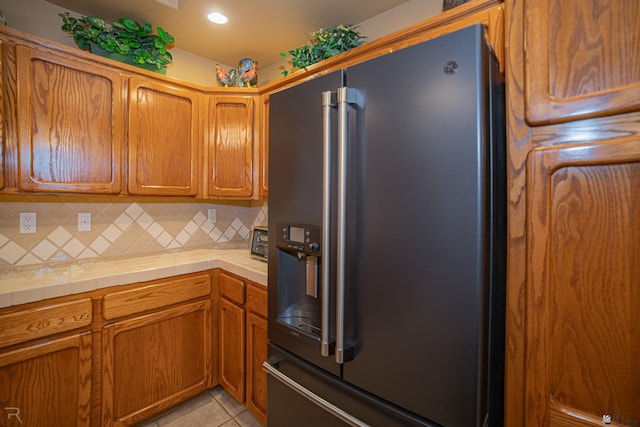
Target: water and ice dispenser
299 274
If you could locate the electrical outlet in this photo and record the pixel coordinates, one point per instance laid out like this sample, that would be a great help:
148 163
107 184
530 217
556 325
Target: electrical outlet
84 222
27 222
212 216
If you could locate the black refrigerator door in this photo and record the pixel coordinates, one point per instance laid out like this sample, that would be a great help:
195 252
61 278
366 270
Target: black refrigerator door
417 239
295 197
302 395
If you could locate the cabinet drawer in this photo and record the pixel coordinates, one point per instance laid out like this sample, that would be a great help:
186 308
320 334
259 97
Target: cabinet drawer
232 288
155 295
257 299
41 320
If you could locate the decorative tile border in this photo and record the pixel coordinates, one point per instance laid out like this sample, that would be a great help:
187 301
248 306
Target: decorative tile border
120 228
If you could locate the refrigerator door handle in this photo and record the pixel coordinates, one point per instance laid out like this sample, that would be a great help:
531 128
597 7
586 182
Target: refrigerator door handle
328 102
311 396
346 96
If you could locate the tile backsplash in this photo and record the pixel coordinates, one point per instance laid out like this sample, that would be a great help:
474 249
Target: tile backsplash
120 227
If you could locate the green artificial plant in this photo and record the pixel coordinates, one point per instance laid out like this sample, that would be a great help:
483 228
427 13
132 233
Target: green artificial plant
124 36
324 43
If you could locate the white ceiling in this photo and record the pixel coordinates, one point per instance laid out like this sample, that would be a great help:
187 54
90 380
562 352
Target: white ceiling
258 29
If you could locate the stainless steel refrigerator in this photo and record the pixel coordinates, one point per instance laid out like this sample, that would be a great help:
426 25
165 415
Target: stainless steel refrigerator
386 241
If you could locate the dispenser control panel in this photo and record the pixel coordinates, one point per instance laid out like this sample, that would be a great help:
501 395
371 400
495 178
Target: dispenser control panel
300 238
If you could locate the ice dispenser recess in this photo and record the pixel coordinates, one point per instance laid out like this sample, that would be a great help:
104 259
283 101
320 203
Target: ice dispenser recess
299 257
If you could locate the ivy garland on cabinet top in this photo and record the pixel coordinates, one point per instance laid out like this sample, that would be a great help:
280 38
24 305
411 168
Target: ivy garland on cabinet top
137 44
324 43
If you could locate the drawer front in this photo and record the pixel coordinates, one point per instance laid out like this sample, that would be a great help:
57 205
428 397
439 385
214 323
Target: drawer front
155 295
232 288
42 320
257 299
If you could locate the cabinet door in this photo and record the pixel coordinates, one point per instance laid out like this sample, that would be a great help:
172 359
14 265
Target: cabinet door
164 139
256 332
232 373
256 376
155 361
582 59
70 124
47 384
264 147
583 285
231 147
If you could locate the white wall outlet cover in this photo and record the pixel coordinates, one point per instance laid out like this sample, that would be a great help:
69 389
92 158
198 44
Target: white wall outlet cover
84 221
27 223
212 216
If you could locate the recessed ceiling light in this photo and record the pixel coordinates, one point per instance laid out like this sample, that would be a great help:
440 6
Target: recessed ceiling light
217 18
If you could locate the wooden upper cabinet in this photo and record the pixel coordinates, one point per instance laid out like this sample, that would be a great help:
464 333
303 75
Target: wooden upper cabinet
230 170
264 147
581 59
164 139
70 124
583 284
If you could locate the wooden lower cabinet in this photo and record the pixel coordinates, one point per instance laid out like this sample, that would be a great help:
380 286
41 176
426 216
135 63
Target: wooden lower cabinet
232 325
47 383
157 347
243 342
46 364
232 333
118 356
153 361
256 332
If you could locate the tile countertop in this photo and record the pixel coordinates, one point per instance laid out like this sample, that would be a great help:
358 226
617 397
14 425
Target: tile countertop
27 285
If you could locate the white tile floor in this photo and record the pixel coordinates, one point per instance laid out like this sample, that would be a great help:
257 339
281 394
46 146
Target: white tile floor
213 408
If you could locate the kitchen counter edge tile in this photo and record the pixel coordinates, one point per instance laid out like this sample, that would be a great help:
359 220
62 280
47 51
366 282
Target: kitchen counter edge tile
25 285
